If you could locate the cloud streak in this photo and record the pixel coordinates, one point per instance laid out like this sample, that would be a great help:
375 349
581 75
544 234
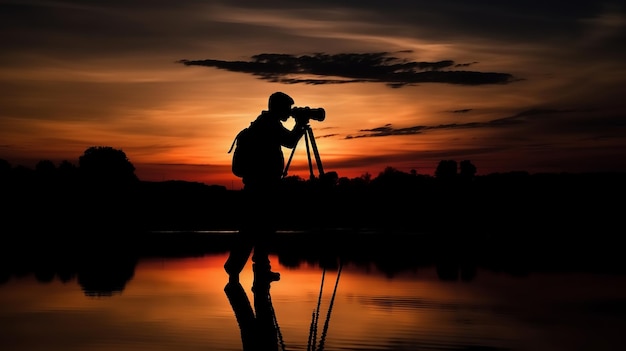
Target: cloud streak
377 67
388 130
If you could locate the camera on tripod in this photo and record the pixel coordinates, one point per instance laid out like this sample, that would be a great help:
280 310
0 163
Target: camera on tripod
304 114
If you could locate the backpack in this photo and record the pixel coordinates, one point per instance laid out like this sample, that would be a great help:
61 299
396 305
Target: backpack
243 156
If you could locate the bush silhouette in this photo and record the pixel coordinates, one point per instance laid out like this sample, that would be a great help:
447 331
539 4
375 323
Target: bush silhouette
104 164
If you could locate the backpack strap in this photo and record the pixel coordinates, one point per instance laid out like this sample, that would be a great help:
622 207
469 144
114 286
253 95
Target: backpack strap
236 137
233 145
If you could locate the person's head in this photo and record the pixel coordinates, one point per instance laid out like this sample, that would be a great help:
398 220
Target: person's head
280 104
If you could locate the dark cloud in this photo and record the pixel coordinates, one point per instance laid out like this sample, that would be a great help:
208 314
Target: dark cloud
465 64
378 67
524 116
519 118
388 130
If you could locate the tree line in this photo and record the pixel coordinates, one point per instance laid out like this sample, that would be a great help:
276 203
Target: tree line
102 193
105 165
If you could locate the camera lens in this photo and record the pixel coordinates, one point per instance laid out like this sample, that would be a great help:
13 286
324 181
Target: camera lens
317 114
306 113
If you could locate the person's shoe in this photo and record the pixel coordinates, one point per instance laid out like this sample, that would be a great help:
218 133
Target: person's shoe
264 273
272 276
267 276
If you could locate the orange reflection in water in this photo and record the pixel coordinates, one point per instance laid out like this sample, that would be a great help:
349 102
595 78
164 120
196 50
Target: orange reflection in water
361 308
180 303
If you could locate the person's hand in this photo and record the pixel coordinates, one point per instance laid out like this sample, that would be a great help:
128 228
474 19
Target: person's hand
301 123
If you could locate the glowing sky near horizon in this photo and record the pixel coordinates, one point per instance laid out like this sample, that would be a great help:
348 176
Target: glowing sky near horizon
545 94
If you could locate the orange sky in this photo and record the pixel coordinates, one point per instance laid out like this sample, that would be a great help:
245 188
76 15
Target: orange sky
76 75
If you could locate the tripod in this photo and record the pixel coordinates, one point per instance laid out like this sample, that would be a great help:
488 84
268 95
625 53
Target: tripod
309 140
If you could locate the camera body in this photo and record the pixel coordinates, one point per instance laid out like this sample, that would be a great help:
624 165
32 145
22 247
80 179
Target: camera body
304 114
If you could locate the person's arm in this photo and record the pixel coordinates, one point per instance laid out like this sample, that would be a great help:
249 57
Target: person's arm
290 138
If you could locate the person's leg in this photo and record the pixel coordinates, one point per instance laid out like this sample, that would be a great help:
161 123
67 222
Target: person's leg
261 265
243 313
239 254
266 327
244 241
263 213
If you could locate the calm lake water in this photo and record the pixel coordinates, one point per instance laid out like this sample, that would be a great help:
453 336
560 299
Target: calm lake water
181 304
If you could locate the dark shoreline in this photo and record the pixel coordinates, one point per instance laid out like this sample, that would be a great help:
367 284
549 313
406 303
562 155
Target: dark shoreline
539 222
104 265
396 250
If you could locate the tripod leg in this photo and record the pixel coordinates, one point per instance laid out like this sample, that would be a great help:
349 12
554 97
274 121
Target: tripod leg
309 138
318 159
289 161
308 152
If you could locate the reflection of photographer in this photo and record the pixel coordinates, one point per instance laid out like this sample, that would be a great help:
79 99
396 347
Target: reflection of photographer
263 167
258 327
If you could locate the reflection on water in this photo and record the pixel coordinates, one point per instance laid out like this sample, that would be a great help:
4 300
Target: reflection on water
185 304
258 328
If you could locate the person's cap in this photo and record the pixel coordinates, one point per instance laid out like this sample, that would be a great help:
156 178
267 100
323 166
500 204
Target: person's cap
279 99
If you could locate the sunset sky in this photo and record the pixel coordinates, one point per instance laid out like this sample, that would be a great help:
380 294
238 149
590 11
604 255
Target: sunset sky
509 85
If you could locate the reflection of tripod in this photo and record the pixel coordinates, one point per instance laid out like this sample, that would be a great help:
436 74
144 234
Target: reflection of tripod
308 138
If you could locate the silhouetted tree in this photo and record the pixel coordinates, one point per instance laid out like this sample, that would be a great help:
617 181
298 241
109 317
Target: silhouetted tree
45 166
68 172
446 169
5 167
330 178
45 188
468 170
293 180
45 170
104 164
366 177
392 178
23 175
109 191
5 172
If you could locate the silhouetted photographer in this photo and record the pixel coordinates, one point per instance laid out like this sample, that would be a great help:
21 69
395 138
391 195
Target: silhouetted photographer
258 159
